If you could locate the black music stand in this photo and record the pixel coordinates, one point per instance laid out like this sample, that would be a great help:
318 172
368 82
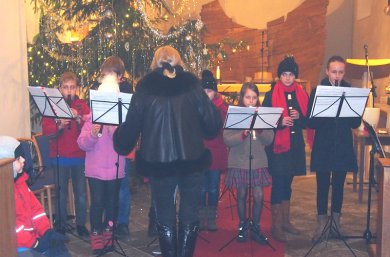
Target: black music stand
376 149
337 102
251 118
51 104
110 108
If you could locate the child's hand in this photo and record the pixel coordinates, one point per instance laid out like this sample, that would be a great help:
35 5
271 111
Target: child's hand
63 123
294 114
288 121
75 112
95 129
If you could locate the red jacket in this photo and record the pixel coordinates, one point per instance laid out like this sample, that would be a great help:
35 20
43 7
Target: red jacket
67 140
31 219
217 146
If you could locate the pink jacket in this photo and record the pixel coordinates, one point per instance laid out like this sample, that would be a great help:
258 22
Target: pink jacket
101 158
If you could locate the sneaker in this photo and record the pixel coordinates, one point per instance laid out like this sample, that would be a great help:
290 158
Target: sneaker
82 231
257 236
242 232
122 230
107 239
96 242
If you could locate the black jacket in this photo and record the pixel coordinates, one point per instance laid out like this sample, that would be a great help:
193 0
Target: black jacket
173 116
292 162
333 143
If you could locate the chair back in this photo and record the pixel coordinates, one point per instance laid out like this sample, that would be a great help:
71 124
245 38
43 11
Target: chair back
47 176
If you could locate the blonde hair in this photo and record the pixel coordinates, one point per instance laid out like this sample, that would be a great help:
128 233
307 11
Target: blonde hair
113 64
69 76
166 54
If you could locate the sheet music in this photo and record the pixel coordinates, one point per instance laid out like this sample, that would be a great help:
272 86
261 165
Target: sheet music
327 101
104 106
241 117
267 117
56 108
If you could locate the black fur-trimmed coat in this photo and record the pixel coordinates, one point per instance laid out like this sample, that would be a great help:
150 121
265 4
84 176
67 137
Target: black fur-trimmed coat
172 116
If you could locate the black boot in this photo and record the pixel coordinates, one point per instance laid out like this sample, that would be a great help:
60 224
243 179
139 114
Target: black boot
152 228
187 239
168 240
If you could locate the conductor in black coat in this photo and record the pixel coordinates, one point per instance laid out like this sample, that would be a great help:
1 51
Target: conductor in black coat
173 115
332 155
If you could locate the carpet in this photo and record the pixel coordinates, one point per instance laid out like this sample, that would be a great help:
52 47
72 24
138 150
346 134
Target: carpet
209 243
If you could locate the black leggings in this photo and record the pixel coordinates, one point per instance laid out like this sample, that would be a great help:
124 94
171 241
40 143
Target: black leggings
323 183
104 200
257 203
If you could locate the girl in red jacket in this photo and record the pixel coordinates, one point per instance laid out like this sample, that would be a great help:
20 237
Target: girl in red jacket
210 186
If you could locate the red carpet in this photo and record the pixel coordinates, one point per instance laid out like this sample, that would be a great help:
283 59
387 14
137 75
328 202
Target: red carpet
228 228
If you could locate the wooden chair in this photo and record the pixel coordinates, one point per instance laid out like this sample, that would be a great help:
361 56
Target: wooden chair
40 184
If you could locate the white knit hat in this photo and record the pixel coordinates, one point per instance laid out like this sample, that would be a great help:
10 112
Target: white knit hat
8 146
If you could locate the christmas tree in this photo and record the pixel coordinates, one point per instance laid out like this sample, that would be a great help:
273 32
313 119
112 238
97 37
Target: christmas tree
79 35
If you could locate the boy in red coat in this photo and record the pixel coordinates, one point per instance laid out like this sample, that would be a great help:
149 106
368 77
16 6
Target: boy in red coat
71 158
32 225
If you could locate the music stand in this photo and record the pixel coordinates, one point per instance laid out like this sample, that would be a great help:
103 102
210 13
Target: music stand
110 108
337 102
51 104
250 118
376 149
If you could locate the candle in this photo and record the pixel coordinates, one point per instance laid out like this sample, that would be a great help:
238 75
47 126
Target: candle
218 73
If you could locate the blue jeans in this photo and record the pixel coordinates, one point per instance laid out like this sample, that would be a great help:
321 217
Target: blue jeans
124 196
210 188
76 173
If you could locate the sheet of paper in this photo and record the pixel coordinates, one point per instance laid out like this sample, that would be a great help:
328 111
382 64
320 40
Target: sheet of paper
50 102
327 101
104 106
241 117
267 117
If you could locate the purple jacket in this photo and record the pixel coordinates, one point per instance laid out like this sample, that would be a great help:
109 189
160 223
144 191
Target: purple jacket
100 156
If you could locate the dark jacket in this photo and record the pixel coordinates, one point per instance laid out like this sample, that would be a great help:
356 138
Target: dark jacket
292 162
333 143
173 116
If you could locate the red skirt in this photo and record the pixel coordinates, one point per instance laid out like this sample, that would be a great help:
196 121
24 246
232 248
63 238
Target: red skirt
240 177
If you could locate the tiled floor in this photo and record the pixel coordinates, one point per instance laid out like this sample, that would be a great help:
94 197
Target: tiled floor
303 213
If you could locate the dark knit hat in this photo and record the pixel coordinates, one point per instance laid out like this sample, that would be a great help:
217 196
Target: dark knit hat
288 65
208 81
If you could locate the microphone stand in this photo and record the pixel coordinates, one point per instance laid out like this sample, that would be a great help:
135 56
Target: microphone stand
262 56
370 77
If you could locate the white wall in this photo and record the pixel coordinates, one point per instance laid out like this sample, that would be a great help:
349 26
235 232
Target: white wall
372 27
14 101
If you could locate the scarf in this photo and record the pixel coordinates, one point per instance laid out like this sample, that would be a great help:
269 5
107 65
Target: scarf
282 137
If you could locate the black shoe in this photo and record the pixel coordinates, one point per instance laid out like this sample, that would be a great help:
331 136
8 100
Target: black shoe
257 236
82 231
242 232
122 230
